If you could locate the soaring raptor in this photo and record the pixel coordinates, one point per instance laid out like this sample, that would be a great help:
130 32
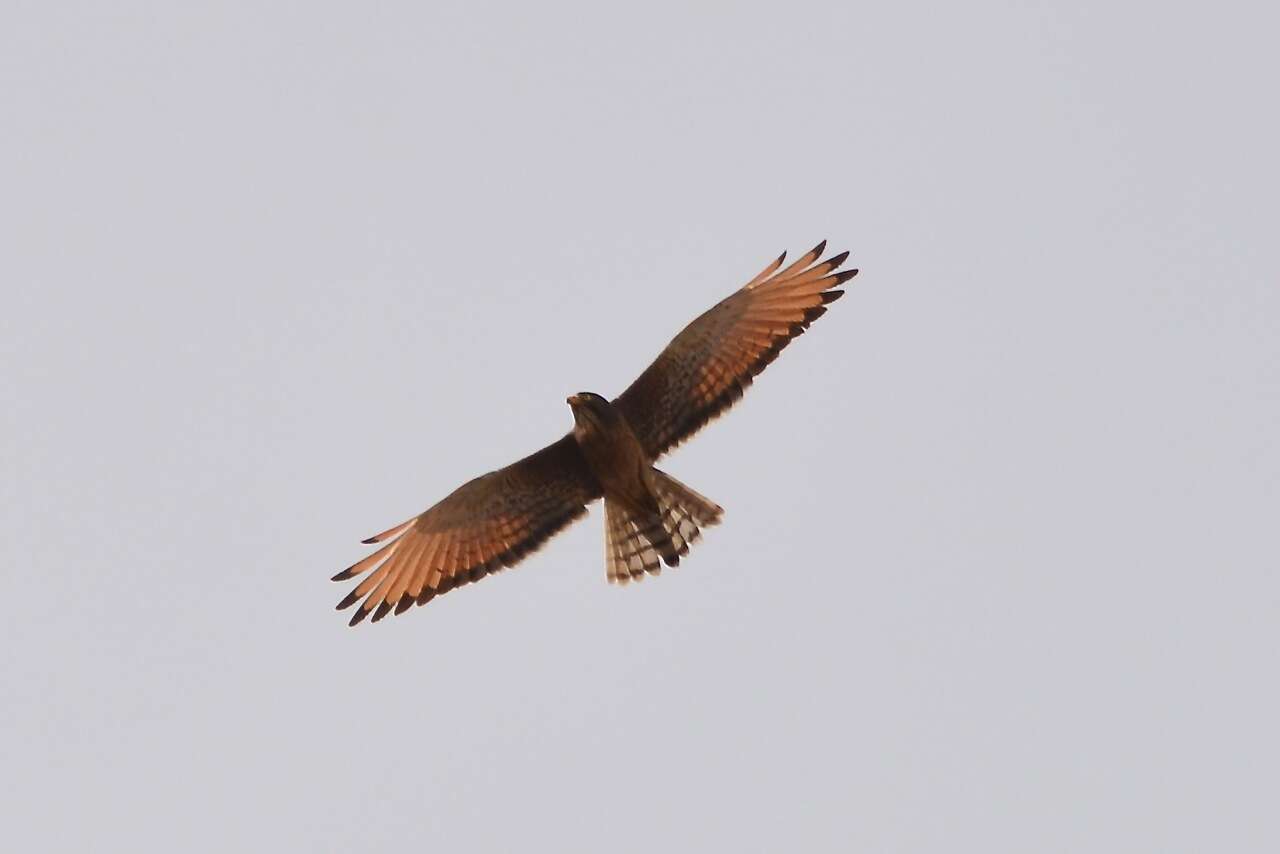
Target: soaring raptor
651 518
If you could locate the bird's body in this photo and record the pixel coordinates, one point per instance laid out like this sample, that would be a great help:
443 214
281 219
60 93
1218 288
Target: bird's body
611 449
651 518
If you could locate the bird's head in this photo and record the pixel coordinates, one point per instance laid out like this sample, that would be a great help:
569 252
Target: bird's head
590 411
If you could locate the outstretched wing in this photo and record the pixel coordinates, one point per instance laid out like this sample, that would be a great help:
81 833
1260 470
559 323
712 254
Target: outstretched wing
485 525
712 361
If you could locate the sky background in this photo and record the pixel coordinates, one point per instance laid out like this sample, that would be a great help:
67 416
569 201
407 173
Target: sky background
998 571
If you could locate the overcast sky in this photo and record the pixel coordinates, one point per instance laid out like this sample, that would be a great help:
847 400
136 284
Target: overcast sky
998 570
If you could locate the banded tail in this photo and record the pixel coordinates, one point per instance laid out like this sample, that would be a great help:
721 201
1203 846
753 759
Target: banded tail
637 542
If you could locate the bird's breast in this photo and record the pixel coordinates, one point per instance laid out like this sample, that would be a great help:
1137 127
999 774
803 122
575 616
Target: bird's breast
615 457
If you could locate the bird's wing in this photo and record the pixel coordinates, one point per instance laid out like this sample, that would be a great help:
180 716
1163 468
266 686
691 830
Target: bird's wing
712 361
485 525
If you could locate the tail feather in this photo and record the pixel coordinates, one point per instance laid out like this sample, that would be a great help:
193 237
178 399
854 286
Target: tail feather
629 543
639 542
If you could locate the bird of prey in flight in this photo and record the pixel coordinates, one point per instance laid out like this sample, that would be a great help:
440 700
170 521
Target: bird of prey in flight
651 518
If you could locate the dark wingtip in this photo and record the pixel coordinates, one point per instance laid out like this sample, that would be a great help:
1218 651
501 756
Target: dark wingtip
345 574
836 260
383 610
820 248
370 541
831 296
347 601
358 616
842 277
405 603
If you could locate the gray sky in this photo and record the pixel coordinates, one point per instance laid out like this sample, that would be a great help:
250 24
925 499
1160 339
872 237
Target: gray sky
998 567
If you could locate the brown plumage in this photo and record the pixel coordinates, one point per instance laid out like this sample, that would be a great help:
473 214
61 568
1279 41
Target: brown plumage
492 522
